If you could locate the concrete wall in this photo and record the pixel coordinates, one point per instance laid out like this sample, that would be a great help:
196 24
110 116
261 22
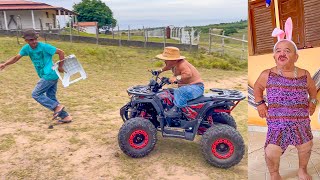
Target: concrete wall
26 19
105 41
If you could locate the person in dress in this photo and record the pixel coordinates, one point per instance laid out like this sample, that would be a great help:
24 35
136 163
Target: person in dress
291 97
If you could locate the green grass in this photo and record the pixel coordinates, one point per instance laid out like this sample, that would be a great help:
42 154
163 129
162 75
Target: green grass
88 148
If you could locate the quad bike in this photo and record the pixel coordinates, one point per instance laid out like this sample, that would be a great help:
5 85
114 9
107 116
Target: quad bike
222 145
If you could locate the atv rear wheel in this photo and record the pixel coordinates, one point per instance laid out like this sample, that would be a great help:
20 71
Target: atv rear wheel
222 146
137 137
224 118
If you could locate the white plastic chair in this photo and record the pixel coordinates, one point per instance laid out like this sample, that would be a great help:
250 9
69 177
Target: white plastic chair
71 66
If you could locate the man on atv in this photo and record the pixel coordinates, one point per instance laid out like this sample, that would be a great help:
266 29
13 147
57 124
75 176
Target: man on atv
41 56
188 78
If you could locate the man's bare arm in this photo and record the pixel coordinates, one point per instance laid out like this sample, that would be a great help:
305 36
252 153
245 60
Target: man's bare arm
185 71
61 57
260 85
258 89
166 68
12 60
312 90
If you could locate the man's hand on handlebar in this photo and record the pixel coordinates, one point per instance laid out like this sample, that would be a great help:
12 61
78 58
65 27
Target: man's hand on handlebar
156 72
173 80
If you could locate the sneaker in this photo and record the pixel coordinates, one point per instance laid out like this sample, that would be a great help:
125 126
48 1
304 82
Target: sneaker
174 112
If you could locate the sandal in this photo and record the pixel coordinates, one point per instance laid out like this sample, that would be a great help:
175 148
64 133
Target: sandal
61 121
57 114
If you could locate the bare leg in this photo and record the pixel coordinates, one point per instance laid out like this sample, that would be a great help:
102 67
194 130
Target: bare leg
58 108
304 152
272 156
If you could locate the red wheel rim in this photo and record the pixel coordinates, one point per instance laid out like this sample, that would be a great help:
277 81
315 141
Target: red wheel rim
222 148
139 139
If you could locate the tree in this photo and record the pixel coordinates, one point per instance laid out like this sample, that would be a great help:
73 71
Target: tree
95 10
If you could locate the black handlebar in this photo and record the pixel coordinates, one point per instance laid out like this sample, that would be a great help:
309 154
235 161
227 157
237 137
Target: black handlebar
155 72
154 84
165 80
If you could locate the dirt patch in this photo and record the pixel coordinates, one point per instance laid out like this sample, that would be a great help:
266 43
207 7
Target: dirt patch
238 83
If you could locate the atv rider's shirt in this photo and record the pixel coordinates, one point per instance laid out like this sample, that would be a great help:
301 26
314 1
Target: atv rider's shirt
189 74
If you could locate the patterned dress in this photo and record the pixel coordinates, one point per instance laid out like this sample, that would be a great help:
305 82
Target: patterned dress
288 116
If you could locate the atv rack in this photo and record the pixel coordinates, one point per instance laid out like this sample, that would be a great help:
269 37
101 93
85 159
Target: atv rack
140 90
226 94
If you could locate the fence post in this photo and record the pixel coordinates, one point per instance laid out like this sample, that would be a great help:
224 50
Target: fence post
97 33
58 25
70 24
128 33
210 40
119 35
147 35
242 55
76 19
164 37
190 39
222 43
180 34
144 35
112 33
18 31
41 30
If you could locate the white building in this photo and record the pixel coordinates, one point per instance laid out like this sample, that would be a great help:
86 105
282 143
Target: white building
88 27
28 15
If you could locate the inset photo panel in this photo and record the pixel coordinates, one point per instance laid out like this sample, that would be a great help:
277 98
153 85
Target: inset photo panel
283 89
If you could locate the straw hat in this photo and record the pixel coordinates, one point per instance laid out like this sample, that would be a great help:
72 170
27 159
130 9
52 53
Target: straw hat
170 54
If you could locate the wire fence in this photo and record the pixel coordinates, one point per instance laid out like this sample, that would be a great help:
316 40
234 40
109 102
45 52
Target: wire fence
226 44
187 36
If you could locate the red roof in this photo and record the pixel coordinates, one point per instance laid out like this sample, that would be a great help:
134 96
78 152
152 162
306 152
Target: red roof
28 5
83 24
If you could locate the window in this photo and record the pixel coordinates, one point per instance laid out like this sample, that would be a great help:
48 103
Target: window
47 14
262 23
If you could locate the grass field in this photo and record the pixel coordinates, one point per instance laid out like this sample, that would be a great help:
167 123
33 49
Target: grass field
88 148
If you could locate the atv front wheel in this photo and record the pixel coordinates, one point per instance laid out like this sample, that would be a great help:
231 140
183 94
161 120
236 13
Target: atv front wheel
127 112
137 137
222 146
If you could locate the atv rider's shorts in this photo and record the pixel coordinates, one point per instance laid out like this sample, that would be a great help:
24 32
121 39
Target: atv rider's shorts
186 93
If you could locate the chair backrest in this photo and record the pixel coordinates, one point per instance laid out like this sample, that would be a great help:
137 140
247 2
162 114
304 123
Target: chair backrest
71 66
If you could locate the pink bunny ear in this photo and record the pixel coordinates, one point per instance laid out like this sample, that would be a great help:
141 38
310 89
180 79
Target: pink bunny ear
288 28
278 33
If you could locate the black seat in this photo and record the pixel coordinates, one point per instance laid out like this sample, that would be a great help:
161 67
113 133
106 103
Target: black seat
200 99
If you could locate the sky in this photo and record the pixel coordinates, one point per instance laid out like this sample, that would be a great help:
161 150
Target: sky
155 13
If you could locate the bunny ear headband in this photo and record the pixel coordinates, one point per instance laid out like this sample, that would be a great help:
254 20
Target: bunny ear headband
280 34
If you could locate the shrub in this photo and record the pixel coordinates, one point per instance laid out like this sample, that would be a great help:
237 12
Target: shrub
158 64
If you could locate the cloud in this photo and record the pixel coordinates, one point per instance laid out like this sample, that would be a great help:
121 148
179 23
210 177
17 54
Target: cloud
165 12
174 9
